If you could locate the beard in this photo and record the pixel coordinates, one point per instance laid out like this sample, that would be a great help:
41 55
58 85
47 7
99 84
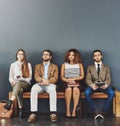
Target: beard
98 60
46 60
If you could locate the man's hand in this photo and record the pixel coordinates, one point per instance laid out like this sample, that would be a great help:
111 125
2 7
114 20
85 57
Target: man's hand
44 82
104 86
94 87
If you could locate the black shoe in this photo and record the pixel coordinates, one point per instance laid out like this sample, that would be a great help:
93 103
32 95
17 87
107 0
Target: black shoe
8 105
103 114
21 113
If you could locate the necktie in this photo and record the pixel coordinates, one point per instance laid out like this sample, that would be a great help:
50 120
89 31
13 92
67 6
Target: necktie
98 69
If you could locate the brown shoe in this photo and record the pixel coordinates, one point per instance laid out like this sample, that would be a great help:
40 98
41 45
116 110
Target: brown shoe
53 117
32 118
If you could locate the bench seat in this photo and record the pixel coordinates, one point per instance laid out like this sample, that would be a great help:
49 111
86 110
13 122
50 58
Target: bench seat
116 100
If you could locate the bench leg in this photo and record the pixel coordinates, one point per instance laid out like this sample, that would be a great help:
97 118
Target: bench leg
116 104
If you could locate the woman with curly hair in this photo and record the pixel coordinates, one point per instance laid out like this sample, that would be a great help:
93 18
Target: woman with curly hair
71 73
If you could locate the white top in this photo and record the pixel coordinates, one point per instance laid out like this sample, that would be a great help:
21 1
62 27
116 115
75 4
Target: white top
16 70
72 70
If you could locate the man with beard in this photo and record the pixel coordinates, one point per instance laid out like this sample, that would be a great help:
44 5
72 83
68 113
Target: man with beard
98 79
46 75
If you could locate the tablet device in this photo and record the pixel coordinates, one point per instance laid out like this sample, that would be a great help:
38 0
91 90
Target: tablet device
99 84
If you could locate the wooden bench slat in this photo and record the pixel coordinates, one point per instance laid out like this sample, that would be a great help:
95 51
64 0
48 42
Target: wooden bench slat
116 100
61 95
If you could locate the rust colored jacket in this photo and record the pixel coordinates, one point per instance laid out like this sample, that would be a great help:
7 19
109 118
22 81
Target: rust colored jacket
52 73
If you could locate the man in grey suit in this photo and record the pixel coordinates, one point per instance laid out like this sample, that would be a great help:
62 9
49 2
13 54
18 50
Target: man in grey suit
98 79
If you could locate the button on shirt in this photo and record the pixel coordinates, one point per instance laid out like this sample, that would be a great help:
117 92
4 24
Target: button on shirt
46 66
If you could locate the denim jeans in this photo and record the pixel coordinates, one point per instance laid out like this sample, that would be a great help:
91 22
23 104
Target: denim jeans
109 91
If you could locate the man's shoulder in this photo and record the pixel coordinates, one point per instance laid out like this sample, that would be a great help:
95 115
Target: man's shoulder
91 66
53 64
105 65
38 65
13 63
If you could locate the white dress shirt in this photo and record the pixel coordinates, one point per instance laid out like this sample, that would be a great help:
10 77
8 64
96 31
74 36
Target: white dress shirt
16 71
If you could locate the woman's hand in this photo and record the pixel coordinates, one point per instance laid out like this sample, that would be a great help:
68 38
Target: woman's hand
71 81
13 83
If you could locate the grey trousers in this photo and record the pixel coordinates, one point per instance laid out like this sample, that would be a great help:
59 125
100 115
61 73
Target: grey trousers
18 91
50 89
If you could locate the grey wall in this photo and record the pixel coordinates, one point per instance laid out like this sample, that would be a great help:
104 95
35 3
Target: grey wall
35 25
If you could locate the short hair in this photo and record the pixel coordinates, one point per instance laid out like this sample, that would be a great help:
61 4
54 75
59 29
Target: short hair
47 50
97 50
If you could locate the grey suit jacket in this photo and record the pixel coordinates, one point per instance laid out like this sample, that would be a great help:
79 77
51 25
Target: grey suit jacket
92 76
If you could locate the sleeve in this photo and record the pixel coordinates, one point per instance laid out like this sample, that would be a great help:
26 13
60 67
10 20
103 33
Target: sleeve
11 73
53 79
89 77
108 76
38 74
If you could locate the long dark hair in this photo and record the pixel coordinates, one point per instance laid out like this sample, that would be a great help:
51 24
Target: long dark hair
25 69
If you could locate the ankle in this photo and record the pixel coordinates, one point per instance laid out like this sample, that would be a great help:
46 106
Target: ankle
20 109
34 112
53 112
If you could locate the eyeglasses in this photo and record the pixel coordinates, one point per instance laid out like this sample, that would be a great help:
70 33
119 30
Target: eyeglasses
46 54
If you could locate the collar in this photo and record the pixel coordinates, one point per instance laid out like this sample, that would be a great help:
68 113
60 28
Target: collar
19 62
96 64
48 63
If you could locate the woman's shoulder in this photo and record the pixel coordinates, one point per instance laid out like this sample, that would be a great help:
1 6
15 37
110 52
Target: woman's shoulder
65 63
29 63
14 63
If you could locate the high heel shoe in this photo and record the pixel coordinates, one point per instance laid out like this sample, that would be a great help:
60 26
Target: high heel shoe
20 113
68 117
74 117
8 105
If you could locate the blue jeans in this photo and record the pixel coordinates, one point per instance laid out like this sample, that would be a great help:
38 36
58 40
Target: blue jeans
109 91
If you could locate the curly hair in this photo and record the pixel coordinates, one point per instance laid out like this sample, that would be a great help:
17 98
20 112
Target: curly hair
77 59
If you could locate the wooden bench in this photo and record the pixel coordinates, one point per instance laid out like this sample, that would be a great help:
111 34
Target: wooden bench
116 100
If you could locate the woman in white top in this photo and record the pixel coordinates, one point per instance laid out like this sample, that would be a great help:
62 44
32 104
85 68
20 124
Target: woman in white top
71 73
20 75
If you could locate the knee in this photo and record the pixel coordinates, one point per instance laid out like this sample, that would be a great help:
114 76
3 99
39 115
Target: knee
52 88
76 91
87 93
17 85
21 89
68 91
111 93
34 89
